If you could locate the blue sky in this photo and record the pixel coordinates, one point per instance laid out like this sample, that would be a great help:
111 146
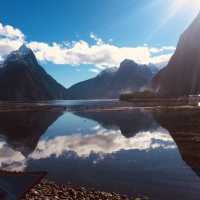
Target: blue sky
75 39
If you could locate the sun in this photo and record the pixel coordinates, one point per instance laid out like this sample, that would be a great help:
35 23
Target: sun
191 7
186 4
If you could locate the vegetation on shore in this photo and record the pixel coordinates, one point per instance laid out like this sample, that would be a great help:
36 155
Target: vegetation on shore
146 94
150 98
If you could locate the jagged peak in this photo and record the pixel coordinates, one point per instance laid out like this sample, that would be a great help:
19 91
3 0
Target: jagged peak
24 54
128 64
128 61
24 50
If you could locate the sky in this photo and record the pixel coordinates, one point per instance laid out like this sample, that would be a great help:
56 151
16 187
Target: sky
76 39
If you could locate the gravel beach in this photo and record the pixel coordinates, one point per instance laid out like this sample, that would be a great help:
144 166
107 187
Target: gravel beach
47 190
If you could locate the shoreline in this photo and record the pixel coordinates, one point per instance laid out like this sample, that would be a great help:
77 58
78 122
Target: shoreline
12 107
120 106
49 190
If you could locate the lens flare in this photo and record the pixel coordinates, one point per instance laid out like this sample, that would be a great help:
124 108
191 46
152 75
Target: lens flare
182 6
186 4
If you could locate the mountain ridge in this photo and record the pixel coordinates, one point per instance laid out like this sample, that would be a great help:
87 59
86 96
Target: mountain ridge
129 77
22 78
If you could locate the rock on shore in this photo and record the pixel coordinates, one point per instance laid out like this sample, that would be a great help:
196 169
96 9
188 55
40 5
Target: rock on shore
47 190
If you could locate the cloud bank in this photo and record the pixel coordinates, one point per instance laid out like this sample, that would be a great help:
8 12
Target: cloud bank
102 143
101 54
10 39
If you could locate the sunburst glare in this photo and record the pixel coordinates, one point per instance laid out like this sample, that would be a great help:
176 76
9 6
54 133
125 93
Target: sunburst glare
186 4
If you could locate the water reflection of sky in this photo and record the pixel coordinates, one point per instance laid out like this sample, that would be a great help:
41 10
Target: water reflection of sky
69 124
102 141
87 152
83 137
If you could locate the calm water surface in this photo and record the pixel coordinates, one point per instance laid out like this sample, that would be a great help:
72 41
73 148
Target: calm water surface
135 152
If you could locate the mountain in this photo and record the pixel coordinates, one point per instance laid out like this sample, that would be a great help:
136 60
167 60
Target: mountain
182 75
112 82
22 130
22 78
186 133
128 122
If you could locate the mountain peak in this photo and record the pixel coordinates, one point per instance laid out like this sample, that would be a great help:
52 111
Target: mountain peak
128 65
112 82
22 78
24 50
127 62
23 54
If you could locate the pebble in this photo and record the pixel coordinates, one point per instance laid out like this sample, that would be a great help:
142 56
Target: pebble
47 190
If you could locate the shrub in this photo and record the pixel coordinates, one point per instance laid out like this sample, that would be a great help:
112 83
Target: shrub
136 95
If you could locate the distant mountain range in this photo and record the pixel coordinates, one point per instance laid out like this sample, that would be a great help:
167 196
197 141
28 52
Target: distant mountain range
181 76
112 82
22 78
128 122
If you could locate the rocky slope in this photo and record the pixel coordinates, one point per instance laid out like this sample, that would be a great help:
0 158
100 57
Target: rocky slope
181 76
22 78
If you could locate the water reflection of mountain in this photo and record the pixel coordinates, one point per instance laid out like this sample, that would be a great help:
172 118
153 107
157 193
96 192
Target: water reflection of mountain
22 130
184 127
129 122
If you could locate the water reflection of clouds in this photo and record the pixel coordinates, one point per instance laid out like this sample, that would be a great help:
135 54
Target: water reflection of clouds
103 142
11 159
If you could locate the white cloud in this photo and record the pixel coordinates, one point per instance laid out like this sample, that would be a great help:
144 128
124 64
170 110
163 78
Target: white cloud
10 39
11 32
7 45
11 159
94 70
98 40
161 60
101 54
102 142
164 48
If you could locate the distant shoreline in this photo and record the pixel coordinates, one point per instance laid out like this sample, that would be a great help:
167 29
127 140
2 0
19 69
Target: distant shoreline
111 106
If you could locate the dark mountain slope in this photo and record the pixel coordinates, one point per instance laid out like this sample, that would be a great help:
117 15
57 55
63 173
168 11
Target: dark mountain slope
111 83
182 75
23 129
22 78
130 123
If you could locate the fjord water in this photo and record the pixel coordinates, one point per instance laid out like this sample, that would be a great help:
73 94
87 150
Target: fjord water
133 152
